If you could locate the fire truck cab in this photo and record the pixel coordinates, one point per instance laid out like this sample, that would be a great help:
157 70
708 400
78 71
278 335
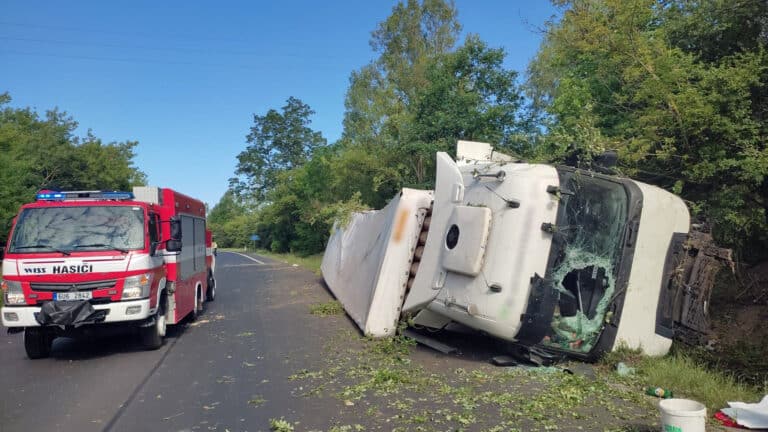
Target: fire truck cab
83 258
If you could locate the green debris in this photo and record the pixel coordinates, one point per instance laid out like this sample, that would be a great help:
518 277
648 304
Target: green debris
328 308
392 388
256 401
347 428
280 425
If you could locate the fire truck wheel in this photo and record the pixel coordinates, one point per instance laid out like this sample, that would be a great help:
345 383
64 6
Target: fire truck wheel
37 342
152 336
210 293
198 308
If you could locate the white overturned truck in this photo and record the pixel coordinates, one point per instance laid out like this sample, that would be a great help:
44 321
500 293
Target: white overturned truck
561 259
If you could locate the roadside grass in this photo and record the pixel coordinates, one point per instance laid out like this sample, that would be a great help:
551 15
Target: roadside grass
309 262
685 377
713 389
331 307
747 360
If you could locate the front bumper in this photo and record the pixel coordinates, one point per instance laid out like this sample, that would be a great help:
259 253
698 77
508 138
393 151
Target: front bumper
24 316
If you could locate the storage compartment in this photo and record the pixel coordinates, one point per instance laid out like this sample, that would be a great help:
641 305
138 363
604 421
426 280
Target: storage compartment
465 239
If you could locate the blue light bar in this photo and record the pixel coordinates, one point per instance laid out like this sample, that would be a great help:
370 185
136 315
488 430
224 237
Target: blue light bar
115 195
50 196
84 195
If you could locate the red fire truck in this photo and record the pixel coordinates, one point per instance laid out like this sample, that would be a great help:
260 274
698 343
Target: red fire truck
78 259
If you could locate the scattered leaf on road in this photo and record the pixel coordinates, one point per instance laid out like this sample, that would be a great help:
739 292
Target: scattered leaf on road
211 406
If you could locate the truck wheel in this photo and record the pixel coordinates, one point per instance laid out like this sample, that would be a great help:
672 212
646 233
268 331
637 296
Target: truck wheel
197 309
152 336
37 342
210 293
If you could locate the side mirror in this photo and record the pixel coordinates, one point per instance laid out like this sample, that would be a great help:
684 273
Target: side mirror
176 229
173 245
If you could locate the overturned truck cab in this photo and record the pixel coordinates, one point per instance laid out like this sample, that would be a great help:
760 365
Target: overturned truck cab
570 261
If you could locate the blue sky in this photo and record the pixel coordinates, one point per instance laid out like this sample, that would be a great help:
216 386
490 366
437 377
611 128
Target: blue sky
185 78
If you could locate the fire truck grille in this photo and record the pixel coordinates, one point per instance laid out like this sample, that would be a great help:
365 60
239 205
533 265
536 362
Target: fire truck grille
81 286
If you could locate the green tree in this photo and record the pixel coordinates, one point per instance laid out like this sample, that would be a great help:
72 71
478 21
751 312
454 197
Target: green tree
675 88
407 42
278 141
419 96
107 166
423 93
303 209
43 153
227 208
224 217
468 96
373 172
410 38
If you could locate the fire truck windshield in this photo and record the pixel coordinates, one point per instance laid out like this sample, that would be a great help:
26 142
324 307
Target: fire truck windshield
78 228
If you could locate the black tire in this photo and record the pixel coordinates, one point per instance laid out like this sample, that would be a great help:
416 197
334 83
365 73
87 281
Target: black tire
210 292
152 336
37 342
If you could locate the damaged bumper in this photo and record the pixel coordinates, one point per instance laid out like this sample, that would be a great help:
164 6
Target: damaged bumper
76 313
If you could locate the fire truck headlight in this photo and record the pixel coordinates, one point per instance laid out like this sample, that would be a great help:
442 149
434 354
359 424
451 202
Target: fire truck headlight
137 287
12 293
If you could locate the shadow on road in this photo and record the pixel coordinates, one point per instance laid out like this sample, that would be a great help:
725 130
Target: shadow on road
100 342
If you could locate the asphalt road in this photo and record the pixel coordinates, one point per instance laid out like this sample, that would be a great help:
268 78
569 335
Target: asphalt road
226 371
257 353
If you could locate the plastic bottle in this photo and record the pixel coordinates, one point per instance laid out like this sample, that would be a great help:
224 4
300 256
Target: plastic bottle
659 392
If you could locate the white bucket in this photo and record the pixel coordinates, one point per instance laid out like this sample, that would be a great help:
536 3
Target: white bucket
682 415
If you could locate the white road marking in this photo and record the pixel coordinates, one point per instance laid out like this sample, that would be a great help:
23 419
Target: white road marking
242 265
246 256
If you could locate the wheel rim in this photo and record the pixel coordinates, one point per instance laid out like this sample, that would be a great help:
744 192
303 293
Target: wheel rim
160 325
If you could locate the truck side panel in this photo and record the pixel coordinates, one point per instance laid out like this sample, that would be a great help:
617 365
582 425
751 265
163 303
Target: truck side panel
368 261
187 270
663 215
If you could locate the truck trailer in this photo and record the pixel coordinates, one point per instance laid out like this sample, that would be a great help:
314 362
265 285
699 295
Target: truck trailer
562 260
78 259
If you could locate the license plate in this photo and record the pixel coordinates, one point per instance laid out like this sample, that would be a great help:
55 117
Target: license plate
76 295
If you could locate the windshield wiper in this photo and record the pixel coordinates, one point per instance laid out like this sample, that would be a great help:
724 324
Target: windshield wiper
125 251
40 246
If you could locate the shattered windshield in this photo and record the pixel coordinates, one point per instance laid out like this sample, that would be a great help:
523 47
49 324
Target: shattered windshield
591 222
86 228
